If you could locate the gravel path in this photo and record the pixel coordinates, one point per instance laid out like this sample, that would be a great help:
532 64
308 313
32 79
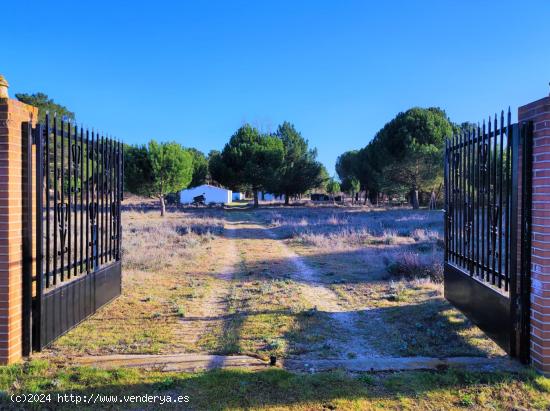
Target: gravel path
213 307
351 341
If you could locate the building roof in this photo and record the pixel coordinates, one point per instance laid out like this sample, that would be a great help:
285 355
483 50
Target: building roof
207 186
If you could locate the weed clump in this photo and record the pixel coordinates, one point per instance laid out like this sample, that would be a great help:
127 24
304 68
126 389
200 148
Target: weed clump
412 266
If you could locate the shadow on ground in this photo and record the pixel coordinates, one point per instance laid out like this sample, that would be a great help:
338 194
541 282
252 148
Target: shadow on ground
233 389
406 331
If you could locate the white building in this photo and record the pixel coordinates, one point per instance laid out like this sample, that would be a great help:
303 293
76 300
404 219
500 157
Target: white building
211 193
270 197
238 196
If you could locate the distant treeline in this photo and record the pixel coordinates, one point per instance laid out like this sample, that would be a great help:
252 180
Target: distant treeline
280 163
404 160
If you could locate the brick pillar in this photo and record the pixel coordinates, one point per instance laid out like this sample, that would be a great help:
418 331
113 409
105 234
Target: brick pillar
539 113
12 151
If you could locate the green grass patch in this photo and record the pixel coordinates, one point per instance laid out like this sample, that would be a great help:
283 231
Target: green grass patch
276 388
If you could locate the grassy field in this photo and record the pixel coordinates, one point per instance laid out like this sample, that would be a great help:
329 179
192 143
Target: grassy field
298 283
276 389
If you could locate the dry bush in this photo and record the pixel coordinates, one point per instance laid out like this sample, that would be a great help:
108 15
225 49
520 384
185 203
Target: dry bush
422 234
151 242
338 228
411 265
339 240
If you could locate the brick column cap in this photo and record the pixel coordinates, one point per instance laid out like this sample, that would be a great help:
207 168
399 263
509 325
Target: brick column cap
3 87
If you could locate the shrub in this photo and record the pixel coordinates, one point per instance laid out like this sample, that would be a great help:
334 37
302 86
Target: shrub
410 266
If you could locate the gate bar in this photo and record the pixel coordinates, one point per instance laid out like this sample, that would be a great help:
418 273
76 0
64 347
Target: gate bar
513 238
74 155
446 189
37 306
494 204
110 198
27 239
69 199
490 197
54 209
508 244
61 206
81 209
101 173
87 162
479 145
48 200
501 172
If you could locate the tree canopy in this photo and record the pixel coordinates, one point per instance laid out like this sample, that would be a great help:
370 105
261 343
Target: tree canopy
249 161
351 185
200 167
324 178
404 157
44 105
333 187
158 169
299 171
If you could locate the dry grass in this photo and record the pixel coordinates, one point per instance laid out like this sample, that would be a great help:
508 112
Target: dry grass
387 266
293 222
382 267
152 243
413 265
266 313
164 266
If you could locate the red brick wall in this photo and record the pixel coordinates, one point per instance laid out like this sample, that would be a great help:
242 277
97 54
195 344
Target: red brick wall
539 113
12 114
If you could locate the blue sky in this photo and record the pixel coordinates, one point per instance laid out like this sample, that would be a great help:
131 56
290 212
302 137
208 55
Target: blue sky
194 71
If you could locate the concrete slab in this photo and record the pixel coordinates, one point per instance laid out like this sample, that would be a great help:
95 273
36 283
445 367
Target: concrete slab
405 364
175 362
200 362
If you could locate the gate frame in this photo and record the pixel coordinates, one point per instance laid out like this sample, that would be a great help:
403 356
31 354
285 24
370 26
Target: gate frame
45 315
507 321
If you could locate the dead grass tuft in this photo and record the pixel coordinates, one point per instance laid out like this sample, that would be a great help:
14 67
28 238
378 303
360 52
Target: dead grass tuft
411 265
341 228
151 242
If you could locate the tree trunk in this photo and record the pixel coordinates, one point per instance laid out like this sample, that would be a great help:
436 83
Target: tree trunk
287 199
414 201
432 201
366 197
162 206
372 197
255 198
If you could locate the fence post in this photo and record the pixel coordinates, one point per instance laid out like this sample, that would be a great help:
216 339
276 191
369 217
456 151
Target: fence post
539 113
12 227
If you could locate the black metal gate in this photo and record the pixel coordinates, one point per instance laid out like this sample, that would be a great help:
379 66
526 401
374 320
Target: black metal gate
487 229
77 239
